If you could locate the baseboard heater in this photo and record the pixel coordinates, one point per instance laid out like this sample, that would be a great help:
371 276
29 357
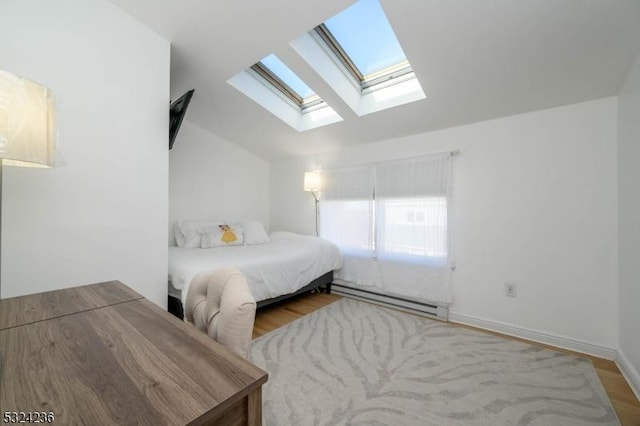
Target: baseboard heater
434 310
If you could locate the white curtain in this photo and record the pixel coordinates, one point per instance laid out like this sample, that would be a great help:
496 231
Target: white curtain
391 222
346 209
411 209
347 219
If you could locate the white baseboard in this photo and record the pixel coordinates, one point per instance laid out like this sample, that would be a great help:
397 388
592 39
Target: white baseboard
536 336
629 372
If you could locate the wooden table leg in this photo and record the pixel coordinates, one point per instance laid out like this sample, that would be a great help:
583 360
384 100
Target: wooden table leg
254 407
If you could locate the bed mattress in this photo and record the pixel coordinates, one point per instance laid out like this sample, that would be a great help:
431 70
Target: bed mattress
285 264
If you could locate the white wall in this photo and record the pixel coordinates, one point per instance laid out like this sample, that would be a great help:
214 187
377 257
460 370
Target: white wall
102 213
535 203
629 195
211 178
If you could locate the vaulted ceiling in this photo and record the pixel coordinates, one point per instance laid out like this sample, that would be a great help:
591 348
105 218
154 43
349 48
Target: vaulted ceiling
475 60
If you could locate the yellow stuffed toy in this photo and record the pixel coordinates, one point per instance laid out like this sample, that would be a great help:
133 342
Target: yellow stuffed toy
228 236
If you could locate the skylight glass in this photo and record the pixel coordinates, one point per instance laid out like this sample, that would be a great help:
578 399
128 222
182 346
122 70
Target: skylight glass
280 77
277 67
365 35
362 39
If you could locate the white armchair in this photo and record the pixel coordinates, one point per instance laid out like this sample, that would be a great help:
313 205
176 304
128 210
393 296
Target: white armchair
220 304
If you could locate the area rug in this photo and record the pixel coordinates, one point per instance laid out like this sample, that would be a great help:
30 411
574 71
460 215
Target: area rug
353 363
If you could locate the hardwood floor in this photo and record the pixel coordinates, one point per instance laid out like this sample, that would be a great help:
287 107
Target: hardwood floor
622 397
274 316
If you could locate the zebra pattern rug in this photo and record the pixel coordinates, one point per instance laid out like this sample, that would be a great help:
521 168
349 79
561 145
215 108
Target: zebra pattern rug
353 363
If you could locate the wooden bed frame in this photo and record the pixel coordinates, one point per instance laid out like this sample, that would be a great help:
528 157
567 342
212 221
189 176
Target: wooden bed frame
175 307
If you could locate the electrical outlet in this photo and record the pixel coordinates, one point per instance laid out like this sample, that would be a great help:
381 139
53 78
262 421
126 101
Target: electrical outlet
510 289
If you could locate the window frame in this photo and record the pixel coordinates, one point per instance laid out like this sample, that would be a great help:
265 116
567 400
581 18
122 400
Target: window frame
308 104
377 80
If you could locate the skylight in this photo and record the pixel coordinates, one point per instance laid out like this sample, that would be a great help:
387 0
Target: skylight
272 85
357 55
363 40
280 77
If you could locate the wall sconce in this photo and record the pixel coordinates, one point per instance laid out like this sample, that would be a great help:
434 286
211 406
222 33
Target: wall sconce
27 125
312 184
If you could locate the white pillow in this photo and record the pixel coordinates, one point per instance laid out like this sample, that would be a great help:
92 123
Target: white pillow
221 235
187 232
254 232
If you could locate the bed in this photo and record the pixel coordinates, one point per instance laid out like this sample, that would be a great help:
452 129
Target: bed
286 265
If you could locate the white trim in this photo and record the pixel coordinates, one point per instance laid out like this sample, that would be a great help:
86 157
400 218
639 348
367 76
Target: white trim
319 56
536 336
629 372
251 84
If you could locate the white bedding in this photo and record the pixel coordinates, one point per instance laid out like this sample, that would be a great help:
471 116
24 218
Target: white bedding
285 264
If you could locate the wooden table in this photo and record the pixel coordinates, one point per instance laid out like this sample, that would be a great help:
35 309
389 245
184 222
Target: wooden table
103 354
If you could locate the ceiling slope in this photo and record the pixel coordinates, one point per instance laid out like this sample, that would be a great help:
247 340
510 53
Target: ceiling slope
475 61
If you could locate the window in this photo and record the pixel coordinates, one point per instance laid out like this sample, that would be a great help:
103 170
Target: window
364 42
277 75
394 210
273 86
347 209
355 52
414 226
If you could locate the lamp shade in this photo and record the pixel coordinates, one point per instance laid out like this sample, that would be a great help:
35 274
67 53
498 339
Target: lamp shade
27 122
312 181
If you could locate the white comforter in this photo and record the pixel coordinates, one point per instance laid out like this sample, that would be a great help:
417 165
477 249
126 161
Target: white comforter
282 266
